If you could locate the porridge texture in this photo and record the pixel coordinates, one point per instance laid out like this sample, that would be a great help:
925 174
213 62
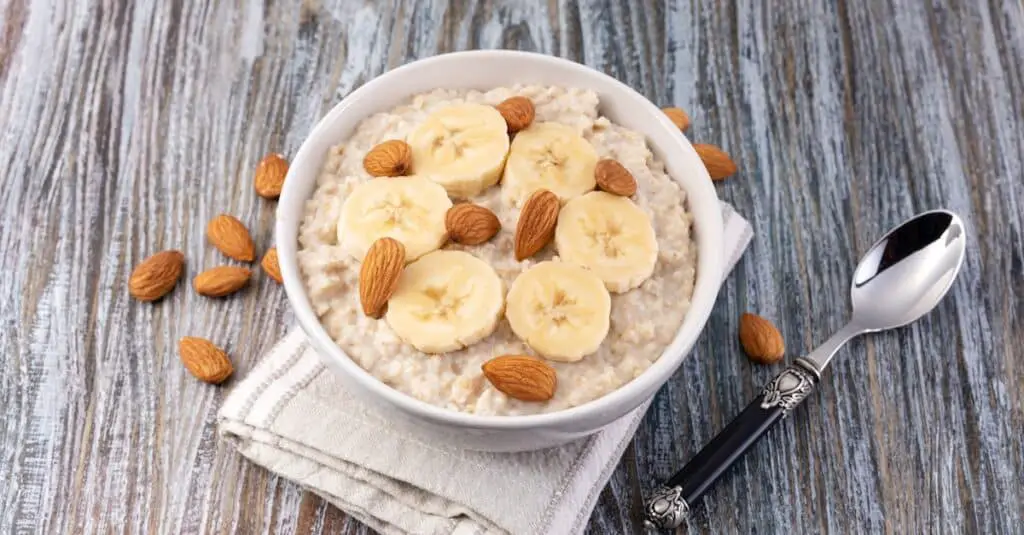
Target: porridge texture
643 320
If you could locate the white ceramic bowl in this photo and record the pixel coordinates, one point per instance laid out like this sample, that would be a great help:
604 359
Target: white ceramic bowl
485 70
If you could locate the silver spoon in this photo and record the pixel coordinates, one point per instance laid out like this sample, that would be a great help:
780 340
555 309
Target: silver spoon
900 279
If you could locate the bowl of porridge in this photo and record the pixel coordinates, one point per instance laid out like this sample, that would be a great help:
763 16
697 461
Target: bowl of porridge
502 250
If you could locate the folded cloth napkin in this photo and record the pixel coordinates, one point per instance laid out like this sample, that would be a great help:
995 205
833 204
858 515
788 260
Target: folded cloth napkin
293 417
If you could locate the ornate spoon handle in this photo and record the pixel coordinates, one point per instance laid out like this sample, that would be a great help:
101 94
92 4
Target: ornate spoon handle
670 504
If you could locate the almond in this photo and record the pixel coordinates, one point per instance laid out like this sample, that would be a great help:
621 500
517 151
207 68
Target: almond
378 276
205 361
678 118
270 265
390 158
230 237
536 225
221 281
522 377
471 224
518 113
761 341
716 160
270 175
612 177
157 275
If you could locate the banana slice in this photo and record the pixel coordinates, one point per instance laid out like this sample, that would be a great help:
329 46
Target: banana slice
409 209
462 147
446 301
550 156
560 310
609 235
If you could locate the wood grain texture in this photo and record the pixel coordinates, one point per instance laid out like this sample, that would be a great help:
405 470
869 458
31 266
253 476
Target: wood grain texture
127 125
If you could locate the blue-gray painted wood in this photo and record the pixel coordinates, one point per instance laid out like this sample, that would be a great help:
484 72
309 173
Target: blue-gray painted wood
127 125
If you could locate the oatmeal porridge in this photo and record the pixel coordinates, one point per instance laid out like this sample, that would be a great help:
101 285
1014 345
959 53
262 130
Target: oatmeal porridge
598 302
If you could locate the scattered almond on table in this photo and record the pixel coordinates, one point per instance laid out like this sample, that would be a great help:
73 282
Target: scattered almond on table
156 276
716 160
270 174
270 265
221 281
761 341
522 377
230 237
678 117
205 361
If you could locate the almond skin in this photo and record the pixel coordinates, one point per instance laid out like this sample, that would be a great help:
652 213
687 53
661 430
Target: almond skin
761 341
205 361
471 224
522 377
270 175
716 160
678 117
156 276
221 281
536 225
270 265
390 158
518 113
612 177
378 276
230 237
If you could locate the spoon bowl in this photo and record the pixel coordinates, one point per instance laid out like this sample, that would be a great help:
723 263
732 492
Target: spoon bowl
906 272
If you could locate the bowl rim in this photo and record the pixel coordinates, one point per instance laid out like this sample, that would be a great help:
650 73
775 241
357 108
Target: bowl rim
708 278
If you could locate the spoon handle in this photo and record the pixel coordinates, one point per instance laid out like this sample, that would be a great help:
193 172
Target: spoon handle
670 504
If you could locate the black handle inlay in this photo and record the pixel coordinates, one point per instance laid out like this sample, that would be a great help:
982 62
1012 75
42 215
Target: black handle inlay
724 450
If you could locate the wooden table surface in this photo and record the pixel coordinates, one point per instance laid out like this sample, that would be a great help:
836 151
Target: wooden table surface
127 125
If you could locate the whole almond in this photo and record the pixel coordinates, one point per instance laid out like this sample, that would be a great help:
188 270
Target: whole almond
716 160
270 265
390 158
221 281
612 177
471 224
536 225
522 377
157 275
678 117
378 276
270 175
518 113
205 361
761 341
230 237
